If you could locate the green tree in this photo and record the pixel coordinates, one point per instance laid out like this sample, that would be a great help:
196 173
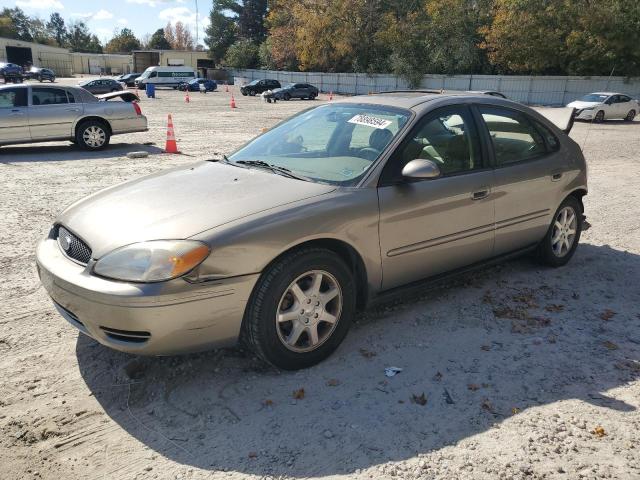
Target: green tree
249 16
57 28
242 54
220 33
14 23
123 41
79 39
159 41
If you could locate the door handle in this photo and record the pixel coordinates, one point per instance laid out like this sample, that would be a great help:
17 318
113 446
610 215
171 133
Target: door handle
480 194
73 109
556 176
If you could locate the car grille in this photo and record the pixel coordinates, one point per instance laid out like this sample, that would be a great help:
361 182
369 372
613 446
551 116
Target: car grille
72 246
130 336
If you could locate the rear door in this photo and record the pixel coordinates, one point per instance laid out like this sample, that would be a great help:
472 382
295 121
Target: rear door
14 115
52 113
529 174
432 226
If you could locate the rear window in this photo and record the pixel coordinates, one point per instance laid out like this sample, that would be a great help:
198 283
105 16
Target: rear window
13 97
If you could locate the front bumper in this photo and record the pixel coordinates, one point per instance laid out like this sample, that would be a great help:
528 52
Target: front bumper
585 114
148 319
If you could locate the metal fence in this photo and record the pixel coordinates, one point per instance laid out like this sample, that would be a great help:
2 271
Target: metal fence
532 90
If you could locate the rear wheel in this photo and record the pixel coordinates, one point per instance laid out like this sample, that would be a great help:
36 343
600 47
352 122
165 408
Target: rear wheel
301 309
599 118
92 135
312 96
561 240
630 116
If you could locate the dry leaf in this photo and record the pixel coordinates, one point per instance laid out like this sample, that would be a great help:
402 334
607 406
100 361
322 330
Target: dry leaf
419 399
554 307
486 405
267 403
437 377
253 454
299 394
607 314
366 353
333 382
486 348
610 345
599 431
473 387
515 410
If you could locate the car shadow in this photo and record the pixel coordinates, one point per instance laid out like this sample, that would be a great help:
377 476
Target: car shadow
69 151
482 349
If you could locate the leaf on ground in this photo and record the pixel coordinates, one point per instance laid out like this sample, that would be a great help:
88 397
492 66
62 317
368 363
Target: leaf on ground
367 353
419 399
486 348
299 394
599 432
333 382
515 410
486 405
554 307
504 311
607 314
253 454
610 345
437 377
473 387
268 402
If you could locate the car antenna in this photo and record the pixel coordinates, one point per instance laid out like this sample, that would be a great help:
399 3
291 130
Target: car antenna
584 142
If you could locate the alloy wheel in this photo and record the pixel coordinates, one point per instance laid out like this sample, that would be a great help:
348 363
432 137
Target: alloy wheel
564 231
309 311
94 136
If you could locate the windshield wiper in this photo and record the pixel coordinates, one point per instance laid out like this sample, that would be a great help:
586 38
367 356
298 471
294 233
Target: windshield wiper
274 168
224 159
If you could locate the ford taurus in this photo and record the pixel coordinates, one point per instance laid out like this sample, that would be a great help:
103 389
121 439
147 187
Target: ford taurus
280 243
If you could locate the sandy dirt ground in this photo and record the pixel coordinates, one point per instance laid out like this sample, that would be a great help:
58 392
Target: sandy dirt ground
516 371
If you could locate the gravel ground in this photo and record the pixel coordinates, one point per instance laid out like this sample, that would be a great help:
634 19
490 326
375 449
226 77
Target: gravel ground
513 372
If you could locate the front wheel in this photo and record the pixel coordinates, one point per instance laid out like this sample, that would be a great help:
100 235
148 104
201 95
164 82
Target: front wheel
92 135
561 240
287 97
599 118
300 309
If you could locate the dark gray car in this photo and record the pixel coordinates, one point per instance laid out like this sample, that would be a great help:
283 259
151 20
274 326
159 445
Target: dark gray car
296 90
101 85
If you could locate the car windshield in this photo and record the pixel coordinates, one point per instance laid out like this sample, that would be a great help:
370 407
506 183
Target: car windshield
335 144
594 97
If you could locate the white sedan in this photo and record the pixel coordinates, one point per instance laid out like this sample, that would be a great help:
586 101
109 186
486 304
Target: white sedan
602 106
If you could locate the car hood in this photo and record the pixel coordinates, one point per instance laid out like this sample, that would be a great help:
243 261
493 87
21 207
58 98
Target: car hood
180 203
579 104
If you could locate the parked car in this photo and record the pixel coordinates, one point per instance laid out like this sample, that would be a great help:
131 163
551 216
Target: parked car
258 86
165 76
295 90
194 85
493 93
280 243
30 113
129 79
600 106
11 73
41 74
101 85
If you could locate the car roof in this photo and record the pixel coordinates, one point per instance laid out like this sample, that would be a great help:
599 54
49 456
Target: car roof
411 99
605 93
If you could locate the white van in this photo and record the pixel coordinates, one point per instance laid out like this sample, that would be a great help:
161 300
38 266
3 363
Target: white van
165 76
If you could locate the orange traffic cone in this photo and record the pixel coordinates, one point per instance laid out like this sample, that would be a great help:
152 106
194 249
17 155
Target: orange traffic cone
186 97
171 146
233 102
330 96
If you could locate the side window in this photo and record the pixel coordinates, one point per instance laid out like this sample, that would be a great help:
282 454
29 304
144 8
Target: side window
48 96
70 96
447 137
624 99
13 97
550 139
153 74
514 138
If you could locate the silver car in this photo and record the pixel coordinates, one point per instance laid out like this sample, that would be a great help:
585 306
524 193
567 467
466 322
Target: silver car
279 244
42 114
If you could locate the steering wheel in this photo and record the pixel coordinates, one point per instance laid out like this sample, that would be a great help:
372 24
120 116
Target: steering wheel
369 153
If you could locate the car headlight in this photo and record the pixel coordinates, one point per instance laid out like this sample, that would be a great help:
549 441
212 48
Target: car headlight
152 261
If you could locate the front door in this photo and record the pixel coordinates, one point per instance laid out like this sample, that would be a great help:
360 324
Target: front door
432 226
51 115
14 115
530 171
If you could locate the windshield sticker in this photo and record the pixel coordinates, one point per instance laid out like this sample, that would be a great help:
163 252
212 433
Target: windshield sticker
370 121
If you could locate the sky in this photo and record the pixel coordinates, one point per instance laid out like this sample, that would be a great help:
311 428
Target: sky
103 17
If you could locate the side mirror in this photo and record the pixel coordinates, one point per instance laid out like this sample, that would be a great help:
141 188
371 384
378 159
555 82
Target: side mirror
421 168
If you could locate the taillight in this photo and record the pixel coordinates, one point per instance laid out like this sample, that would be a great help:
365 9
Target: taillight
137 108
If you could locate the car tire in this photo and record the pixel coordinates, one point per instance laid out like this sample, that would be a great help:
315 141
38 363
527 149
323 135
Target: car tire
271 333
92 135
312 96
252 93
287 97
53 79
630 116
39 78
553 249
244 93
599 118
